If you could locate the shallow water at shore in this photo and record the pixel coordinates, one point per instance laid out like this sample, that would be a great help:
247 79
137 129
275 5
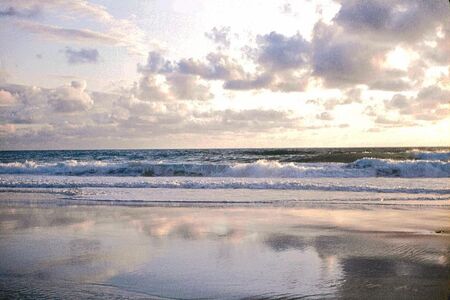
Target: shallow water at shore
233 252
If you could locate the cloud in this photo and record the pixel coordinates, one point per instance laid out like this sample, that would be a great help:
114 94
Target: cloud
217 66
150 89
220 36
71 98
70 113
341 60
7 129
278 52
21 13
391 85
59 33
392 21
180 80
188 87
431 103
439 53
114 31
286 8
337 55
279 63
81 56
81 8
6 98
352 49
349 96
282 65
156 63
325 116
260 82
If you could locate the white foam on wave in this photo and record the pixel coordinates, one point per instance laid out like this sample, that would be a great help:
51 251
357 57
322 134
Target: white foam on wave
366 167
369 184
408 168
274 169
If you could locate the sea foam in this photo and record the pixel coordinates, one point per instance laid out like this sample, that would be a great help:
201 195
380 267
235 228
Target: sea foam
366 167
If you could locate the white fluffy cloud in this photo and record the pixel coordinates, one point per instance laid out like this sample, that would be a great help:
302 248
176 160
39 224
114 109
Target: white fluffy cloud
6 98
71 98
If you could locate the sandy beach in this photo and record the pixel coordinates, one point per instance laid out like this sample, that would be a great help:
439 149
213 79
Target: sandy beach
366 252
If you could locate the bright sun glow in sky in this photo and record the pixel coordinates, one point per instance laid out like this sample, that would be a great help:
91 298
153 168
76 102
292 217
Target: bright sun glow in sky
176 73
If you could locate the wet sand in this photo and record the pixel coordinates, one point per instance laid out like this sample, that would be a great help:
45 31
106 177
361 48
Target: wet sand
215 252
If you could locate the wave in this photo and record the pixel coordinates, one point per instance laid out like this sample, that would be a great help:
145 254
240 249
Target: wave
366 167
370 185
132 168
429 155
408 168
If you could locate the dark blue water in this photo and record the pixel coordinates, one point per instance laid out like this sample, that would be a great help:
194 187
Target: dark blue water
345 155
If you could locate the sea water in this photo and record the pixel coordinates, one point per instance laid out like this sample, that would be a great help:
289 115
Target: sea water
229 176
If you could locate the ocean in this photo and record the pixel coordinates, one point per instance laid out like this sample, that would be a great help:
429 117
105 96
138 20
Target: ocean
230 176
367 223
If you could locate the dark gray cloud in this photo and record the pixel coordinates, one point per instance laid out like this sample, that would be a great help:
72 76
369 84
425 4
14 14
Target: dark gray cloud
19 13
351 49
260 82
391 85
278 52
392 21
341 60
217 66
282 64
156 63
81 56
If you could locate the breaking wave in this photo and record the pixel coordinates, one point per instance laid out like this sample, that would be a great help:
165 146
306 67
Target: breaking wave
365 167
429 155
408 168
72 183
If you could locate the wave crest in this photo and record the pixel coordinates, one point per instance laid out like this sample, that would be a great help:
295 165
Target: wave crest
428 155
366 167
407 168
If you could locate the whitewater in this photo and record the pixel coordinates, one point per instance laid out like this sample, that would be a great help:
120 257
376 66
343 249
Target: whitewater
378 176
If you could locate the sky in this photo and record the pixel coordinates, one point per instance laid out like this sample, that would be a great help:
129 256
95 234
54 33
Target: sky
224 74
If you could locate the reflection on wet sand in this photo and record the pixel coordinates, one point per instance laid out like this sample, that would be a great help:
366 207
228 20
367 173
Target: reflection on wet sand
223 252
